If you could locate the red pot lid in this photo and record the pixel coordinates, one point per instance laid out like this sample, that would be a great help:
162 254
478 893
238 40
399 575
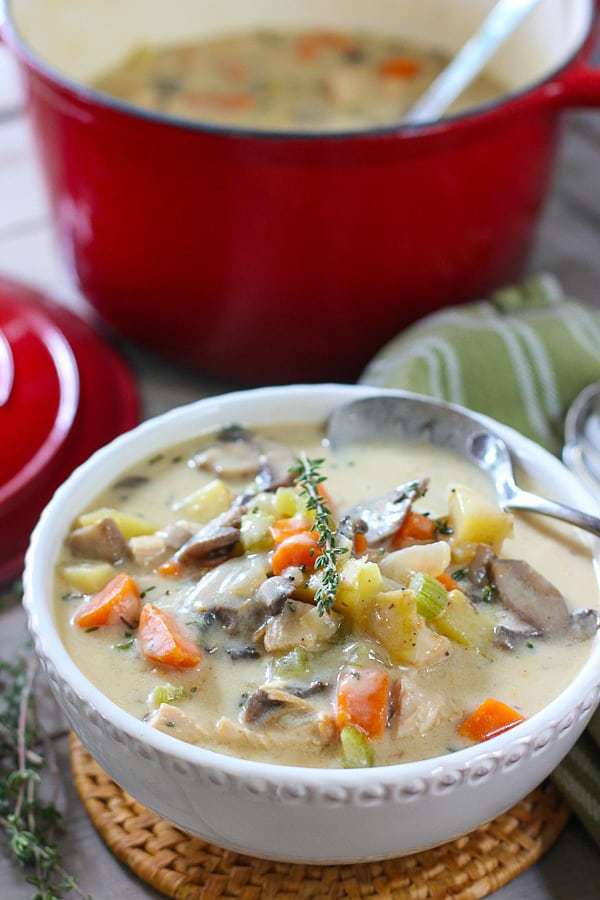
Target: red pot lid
63 393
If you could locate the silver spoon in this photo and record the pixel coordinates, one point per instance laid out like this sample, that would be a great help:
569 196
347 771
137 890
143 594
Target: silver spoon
581 452
435 422
470 60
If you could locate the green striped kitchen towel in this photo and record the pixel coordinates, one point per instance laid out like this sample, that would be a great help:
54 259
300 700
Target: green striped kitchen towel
522 357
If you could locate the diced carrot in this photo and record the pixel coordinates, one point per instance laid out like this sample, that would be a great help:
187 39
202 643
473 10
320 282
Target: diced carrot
162 641
172 568
492 717
416 527
235 70
118 602
285 528
448 582
219 101
312 45
399 67
363 700
297 550
360 543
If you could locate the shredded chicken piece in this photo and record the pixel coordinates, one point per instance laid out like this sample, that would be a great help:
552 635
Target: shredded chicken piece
417 710
431 648
177 533
146 548
173 721
273 703
299 625
317 732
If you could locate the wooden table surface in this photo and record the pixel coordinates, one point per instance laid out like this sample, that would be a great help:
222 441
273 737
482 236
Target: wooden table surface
568 245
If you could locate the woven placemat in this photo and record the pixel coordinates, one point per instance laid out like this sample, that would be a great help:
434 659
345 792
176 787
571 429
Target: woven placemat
186 868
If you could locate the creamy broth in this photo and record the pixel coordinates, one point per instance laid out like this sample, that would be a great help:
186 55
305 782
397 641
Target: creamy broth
287 80
220 686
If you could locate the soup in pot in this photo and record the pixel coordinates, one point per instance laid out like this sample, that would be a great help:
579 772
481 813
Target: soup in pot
316 80
260 595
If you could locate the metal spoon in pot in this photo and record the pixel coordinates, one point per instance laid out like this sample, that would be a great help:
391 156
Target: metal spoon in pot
418 419
581 452
470 60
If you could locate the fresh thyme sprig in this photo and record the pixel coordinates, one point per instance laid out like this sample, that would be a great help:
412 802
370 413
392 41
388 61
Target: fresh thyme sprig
29 824
308 477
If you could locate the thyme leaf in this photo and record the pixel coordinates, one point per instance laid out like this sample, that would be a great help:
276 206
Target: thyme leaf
28 824
307 475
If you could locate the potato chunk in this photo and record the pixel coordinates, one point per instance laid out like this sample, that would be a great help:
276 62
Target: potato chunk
394 622
88 577
206 503
360 581
477 520
463 623
129 526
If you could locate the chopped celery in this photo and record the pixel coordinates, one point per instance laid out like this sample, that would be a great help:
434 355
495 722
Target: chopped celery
431 596
296 662
167 693
464 624
357 752
255 531
362 654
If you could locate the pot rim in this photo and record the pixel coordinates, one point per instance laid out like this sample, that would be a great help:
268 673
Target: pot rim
88 94
568 707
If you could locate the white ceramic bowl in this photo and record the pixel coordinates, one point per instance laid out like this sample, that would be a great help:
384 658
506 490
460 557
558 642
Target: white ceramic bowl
283 812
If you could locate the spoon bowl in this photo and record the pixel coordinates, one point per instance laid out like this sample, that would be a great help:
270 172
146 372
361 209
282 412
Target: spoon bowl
581 452
414 419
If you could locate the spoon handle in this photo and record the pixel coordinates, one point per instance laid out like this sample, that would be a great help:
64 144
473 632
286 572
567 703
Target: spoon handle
470 60
532 503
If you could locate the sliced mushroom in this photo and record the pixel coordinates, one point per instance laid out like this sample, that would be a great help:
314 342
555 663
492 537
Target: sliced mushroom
275 464
103 540
584 624
530 596
216 538
235 455
380 518
275 591
299 625
258 705
308 690
479 566
513 639
268 700
246 652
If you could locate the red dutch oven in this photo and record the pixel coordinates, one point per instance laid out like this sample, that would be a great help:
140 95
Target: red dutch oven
279 256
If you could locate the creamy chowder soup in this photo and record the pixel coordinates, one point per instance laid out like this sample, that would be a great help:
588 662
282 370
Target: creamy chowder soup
286 80
368 607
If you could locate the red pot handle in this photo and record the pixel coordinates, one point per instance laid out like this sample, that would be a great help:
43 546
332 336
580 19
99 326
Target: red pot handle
579 86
